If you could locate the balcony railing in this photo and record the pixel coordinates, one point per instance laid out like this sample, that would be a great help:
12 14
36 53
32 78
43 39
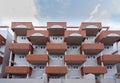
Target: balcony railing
37 59
20 48
38 37
56 28
92 28
75 59
56 48
74 37
56 70
92 49
108 37
20 28
18 70
109 59
97 70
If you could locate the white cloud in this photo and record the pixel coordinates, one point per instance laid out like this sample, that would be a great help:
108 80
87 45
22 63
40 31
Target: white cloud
94 12
104 15
18 10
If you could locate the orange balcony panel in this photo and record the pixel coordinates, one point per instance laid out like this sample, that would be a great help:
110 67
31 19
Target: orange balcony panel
37 59
92 28
56 28
38 37
2 40
56 70
92 49
20 48
1 59
109 59
56 48
20 28
97 70
74 37
75 59
18 70
108 37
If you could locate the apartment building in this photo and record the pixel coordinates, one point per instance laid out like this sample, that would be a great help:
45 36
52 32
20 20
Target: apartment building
88 53
5 39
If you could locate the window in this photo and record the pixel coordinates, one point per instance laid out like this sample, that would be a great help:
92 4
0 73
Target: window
38 67
88 57
54 57
73 67
68 47
23 38
61 57
36 47
69 67
61 38
42 47
109 67
93 57
42 67
21 56
74 47
106 47
54 38
34 67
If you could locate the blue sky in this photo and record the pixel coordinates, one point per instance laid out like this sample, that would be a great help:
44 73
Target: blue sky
72 11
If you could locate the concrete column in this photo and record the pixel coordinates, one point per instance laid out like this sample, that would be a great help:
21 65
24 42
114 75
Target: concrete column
10 59
15 37
102 64
47 64
28 62
66 76
65 64
7 76
117 47
27 76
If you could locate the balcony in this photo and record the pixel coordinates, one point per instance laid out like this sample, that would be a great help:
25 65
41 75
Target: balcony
2 40
20 48
1 59
37 59
74 37
56 70
20 70
20 28
75 59
56 28
109 59
38 37
91 28
56 48
97 70
92 49
108 37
